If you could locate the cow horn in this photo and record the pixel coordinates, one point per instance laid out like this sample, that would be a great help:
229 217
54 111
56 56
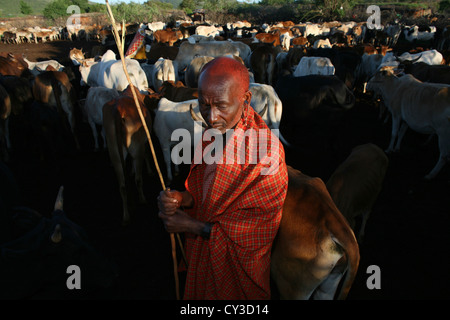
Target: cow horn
56 236
59 199
195 117
263 111
416 59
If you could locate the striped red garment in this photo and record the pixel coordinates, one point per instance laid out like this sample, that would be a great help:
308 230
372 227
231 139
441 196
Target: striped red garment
245 207
135 45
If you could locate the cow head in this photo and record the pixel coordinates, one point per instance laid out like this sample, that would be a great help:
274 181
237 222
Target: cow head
37 260
382 76
77 56
85 71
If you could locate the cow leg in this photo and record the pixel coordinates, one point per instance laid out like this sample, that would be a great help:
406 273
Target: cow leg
325 271
94 133
395 127
382 109
444 157
293 277
104 137
401 134
4 156
138 165
120 173
71 118
147 156
365 216
8 139
327 289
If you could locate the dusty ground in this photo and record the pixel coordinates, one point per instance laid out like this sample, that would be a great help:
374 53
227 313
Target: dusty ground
48 50
407 235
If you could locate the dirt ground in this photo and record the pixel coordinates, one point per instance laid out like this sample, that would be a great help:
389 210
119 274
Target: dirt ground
56 50
407 235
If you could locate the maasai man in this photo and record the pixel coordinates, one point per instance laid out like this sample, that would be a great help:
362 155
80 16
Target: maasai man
231 208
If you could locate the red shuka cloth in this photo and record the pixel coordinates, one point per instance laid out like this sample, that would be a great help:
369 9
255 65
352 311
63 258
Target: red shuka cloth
135 45
245 207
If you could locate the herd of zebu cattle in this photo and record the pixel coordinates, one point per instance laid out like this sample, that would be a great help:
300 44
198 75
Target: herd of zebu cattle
304 77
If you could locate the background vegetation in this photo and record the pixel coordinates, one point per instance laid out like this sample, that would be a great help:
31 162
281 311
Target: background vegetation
220 11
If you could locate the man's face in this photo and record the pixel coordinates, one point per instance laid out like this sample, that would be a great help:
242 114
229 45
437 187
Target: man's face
221 102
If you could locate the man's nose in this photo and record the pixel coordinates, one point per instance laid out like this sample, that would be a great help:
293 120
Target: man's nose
212 116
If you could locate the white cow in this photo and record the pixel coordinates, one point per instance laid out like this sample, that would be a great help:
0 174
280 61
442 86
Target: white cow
193 70
322 43
155 26
93 109
40 66
268 105
314 65
207 31
189 51
431 57
171 116
367 68
196 38
163 70
244 50
413 34
285 39
424 107
108 72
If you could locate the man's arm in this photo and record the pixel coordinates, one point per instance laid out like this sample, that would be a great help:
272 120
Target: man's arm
180 221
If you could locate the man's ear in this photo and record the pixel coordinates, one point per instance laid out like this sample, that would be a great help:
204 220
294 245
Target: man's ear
247 97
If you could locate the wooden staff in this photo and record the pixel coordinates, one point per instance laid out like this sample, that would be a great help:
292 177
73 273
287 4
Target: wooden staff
120 45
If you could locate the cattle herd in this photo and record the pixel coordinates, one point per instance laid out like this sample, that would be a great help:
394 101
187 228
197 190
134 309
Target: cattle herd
363 114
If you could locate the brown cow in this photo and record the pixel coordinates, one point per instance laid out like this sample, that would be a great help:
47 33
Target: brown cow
5 103
13 65
263 63
54 88
314 246
5 111
270 38
300 41
167 36
159 50
177 92
125 135
356 183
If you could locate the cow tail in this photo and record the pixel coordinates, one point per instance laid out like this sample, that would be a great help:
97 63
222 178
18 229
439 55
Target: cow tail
270 68
57 93
345 237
